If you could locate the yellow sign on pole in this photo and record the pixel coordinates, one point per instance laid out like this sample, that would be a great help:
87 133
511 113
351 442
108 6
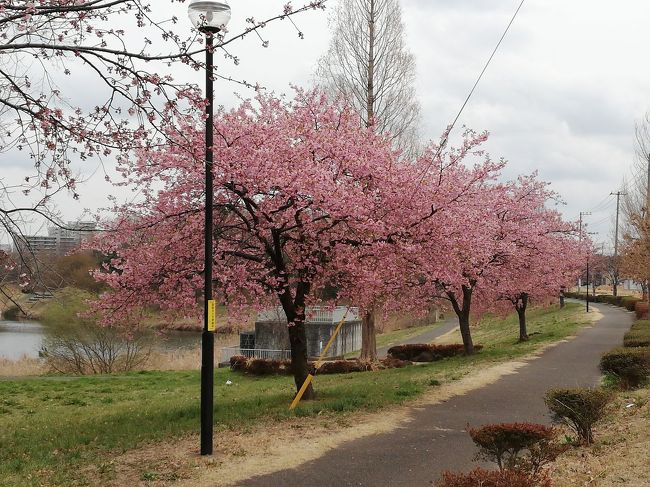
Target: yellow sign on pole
212 315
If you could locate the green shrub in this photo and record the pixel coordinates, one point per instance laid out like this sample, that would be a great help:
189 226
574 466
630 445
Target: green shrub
641 325
424 352
609 299
506 444
489 478
629 302
12 313
630 365
578 408
637 338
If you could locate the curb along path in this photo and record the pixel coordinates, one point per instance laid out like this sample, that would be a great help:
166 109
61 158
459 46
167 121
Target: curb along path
435 439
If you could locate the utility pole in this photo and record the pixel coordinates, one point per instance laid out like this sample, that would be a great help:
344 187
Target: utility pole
618 201
585 213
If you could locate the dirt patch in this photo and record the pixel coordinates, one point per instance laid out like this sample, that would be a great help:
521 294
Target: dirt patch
620 454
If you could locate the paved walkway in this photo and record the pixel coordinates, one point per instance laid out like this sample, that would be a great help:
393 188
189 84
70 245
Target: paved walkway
428 336
435 440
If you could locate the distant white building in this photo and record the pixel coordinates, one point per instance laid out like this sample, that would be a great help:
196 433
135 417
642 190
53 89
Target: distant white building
631 285
59 240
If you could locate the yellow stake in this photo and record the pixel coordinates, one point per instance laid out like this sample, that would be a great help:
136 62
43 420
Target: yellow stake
319 362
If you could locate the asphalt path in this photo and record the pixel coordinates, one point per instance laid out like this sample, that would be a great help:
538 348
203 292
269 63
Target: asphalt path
435 440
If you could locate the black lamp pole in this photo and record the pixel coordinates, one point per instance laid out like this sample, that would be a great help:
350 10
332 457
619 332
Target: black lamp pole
207 337
587 283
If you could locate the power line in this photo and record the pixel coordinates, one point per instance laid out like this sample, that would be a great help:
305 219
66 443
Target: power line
604 204
443 142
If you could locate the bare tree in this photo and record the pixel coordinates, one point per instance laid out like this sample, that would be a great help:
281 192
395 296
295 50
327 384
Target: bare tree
369 65
636 211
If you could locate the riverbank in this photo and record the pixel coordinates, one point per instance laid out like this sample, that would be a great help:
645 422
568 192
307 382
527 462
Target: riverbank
98 430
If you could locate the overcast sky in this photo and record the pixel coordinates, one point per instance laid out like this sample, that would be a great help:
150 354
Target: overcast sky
561 96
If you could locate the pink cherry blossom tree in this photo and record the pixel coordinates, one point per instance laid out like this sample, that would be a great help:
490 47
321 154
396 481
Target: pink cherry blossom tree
545 256
482 244
296 183
440 186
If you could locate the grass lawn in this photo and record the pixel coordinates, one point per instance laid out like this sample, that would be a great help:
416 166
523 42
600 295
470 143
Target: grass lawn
52 427
399 336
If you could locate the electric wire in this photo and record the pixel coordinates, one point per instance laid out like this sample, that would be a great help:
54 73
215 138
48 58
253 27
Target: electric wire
443 142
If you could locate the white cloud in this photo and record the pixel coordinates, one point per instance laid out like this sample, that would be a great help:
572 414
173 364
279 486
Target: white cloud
561 95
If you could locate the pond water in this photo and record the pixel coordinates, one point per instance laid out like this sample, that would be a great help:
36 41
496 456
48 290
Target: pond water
18 339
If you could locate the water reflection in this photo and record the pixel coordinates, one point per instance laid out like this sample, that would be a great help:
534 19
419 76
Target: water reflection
18 339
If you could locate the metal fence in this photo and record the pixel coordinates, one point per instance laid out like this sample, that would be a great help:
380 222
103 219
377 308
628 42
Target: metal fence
313 314
228 352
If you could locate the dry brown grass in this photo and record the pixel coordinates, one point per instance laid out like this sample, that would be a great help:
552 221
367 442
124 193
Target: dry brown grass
185 359
619 456
22 367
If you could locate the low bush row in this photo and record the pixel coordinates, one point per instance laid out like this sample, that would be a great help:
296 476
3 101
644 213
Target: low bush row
630 364
639 334
255 366
425 352
627 302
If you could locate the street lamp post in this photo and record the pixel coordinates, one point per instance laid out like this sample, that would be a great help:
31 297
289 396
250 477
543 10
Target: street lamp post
209 16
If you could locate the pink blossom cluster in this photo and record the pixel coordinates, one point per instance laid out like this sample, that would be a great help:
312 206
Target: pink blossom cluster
307 200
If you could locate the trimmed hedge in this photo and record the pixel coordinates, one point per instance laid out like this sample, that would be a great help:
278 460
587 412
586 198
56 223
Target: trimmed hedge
639 335
492 478
578 408
641 325
344 367
641 309
504 443
256 366
630 365
425 352
627 302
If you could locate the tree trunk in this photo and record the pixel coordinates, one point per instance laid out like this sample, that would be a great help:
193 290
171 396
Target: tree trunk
294 309
370 100
368 337
299 364
522 304
463 312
